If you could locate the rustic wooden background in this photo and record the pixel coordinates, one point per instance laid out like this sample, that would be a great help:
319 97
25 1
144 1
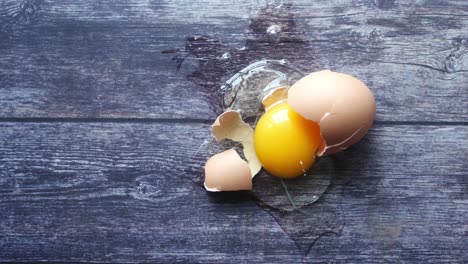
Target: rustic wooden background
102 104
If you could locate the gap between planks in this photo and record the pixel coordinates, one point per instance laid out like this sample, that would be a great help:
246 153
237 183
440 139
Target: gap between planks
190 121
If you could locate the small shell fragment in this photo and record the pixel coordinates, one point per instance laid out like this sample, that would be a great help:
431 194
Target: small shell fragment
229 125
226 171
278 95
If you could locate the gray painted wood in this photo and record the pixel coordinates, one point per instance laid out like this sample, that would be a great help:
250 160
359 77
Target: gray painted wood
101 109
119 192
88 59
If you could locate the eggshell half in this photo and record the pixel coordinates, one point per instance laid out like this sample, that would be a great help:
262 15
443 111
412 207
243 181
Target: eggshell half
227 171
341 104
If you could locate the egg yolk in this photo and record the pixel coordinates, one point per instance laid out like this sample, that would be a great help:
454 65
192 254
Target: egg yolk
285 142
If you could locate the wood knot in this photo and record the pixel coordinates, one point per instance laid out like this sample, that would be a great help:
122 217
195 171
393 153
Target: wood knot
366 40
454 61
14 14
28 12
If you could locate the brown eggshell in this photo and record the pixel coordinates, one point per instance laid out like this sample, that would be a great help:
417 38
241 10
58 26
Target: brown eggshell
341 104
229 125
227 171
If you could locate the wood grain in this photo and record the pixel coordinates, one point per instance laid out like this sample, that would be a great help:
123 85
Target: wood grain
102 109
88 59
118 192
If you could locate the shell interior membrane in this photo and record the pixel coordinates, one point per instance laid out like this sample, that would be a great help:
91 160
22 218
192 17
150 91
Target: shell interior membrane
244 92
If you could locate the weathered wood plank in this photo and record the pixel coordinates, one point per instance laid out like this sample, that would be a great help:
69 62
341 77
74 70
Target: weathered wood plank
416 215
115 192
118 192
86 59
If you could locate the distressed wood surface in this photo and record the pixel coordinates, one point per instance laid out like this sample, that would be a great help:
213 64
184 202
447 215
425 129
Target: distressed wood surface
116 192
102 107
88 59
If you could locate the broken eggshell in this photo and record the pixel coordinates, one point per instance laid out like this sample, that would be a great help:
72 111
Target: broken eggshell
274 97
226 171
229 125
340 104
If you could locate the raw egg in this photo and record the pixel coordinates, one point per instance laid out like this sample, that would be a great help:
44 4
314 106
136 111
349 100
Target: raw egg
285 142
323 113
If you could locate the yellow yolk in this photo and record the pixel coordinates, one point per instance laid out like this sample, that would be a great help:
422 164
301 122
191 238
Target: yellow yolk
285 142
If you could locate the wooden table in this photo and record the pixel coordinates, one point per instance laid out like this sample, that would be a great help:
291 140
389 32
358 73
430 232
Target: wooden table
102 104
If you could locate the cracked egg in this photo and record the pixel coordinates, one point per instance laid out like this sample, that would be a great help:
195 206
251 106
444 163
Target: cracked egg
320 114
340 104
323 113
